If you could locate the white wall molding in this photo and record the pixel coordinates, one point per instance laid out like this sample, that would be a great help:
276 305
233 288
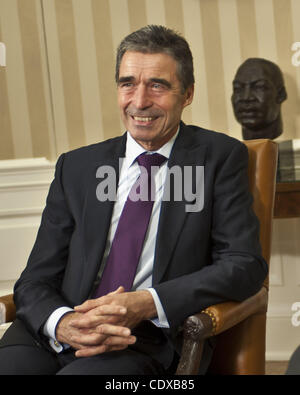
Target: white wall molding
24 185
18 171
21 212
25 164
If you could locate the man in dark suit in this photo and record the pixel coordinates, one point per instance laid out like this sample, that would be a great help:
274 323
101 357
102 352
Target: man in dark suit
201 246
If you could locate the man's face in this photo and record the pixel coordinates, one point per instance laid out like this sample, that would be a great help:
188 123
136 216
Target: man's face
255 97
150 97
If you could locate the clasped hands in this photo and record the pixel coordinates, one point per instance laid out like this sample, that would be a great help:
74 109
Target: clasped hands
104 324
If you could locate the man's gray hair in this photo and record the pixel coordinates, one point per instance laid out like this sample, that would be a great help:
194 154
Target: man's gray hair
160 39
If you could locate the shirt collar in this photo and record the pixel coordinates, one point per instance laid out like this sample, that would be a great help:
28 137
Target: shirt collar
133 149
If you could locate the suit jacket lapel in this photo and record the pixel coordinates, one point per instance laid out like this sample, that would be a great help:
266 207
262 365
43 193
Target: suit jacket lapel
185 152
97 214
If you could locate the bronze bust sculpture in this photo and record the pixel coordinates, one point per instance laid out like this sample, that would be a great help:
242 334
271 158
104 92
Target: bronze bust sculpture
258 91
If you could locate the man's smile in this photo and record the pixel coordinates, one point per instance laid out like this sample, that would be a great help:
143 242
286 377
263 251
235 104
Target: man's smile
143 119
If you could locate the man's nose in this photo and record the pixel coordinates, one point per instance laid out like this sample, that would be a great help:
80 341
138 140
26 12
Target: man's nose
141 97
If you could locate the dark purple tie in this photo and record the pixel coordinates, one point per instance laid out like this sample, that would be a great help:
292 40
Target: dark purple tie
129 238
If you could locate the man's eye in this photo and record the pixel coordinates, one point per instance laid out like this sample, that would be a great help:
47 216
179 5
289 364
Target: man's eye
126 85
158 87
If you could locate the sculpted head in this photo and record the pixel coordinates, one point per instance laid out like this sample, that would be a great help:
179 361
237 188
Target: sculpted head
258 92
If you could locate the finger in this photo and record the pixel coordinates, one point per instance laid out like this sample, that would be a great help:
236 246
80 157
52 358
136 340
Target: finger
119 340
92 303
111 343
91 351
94 321
92 339
99 315
113 330
86 306
110 309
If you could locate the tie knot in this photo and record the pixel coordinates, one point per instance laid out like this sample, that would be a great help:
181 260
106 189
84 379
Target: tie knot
150 160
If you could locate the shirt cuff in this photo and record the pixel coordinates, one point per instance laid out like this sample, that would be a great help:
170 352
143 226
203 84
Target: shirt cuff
50 327
161 321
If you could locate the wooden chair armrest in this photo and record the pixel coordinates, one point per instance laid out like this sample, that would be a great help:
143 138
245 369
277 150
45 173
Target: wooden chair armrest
212 321
196 329
7 309
228 314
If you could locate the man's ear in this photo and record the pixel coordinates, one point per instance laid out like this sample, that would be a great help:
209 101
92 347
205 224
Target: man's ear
189 95
281 95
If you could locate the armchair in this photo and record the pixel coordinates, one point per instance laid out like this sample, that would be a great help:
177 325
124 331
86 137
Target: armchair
7 309
240 327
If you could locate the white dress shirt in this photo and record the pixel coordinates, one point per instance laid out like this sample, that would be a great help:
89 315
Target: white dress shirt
129 172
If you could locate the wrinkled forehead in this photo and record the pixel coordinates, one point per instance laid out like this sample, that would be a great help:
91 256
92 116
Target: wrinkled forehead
254 71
